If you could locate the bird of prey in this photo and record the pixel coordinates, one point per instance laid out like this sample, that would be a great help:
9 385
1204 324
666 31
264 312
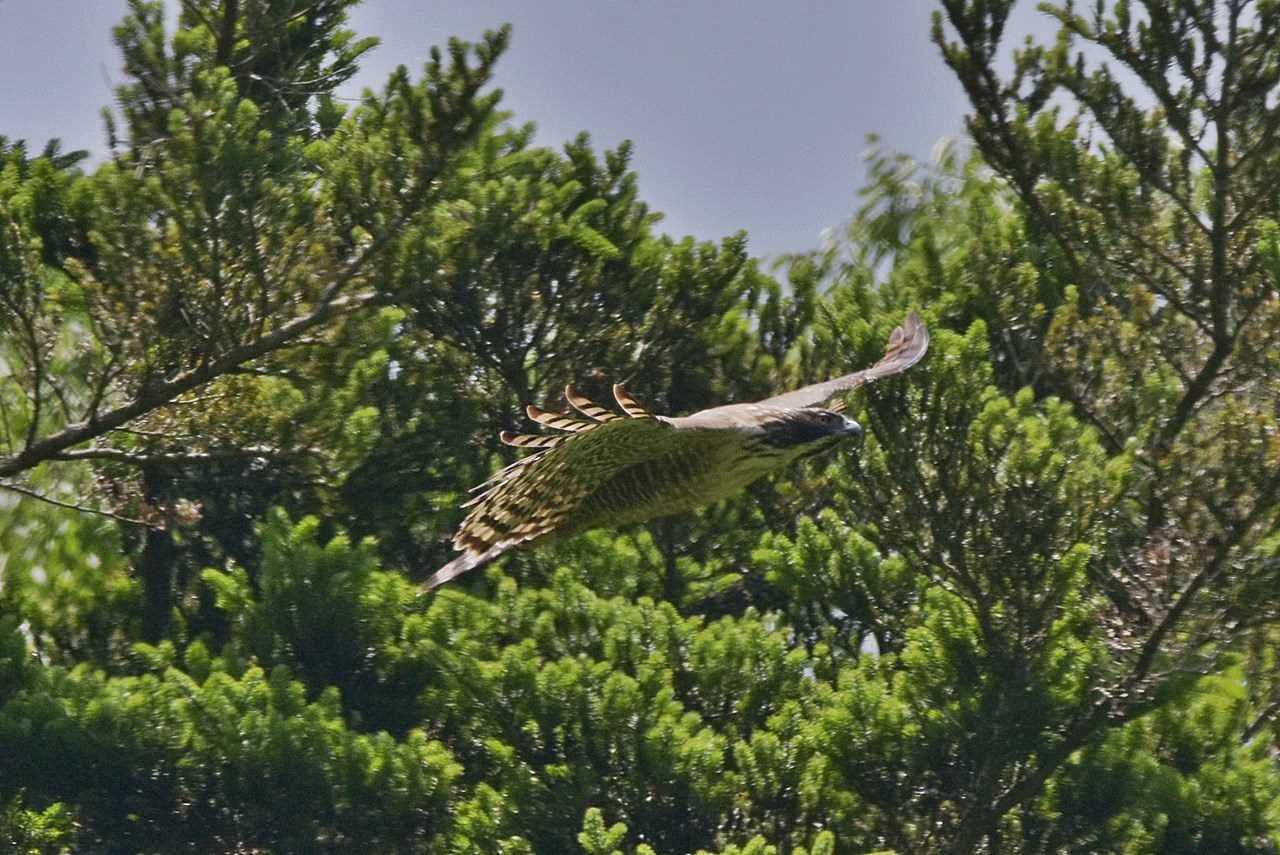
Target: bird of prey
607 469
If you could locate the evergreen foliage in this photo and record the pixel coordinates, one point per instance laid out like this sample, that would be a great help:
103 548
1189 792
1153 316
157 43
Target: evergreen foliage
253 361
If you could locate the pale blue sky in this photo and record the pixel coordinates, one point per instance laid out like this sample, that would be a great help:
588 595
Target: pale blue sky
745 115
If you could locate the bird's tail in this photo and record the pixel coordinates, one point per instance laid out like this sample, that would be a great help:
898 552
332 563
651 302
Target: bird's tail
464 562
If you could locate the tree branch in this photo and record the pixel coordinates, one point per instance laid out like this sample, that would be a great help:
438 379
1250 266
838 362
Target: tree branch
1263 719
165 391
57 503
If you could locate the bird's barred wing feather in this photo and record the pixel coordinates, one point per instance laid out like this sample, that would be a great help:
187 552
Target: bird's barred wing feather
908 344
538 493
630 405
541 494
587 407
571 424
559 421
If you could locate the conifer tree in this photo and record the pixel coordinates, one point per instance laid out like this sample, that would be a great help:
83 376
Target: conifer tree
255 359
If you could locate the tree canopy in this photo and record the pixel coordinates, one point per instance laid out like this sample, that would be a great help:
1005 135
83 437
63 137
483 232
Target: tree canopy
251 363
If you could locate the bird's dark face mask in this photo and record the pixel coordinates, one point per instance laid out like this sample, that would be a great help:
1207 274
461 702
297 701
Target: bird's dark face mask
810 431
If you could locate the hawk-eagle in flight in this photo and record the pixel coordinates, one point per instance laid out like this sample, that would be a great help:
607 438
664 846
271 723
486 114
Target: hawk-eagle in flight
607 469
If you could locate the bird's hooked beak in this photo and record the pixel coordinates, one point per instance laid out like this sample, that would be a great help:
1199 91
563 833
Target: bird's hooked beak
851 429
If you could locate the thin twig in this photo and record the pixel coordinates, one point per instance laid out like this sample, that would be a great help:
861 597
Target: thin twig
162 457
70 506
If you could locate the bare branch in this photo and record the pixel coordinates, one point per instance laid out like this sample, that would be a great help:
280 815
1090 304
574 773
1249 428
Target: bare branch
70 506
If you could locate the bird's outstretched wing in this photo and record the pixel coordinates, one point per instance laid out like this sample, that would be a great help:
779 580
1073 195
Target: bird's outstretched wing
908 344
571 482
544 493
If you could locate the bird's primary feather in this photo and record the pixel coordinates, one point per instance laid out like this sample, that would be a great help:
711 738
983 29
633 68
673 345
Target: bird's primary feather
587 407
559 421
629 405
613 470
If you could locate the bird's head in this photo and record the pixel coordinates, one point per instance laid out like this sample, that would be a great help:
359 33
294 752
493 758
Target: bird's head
808 430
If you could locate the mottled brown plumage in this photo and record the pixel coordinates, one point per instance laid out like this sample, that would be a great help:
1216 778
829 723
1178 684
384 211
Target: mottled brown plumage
613 470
